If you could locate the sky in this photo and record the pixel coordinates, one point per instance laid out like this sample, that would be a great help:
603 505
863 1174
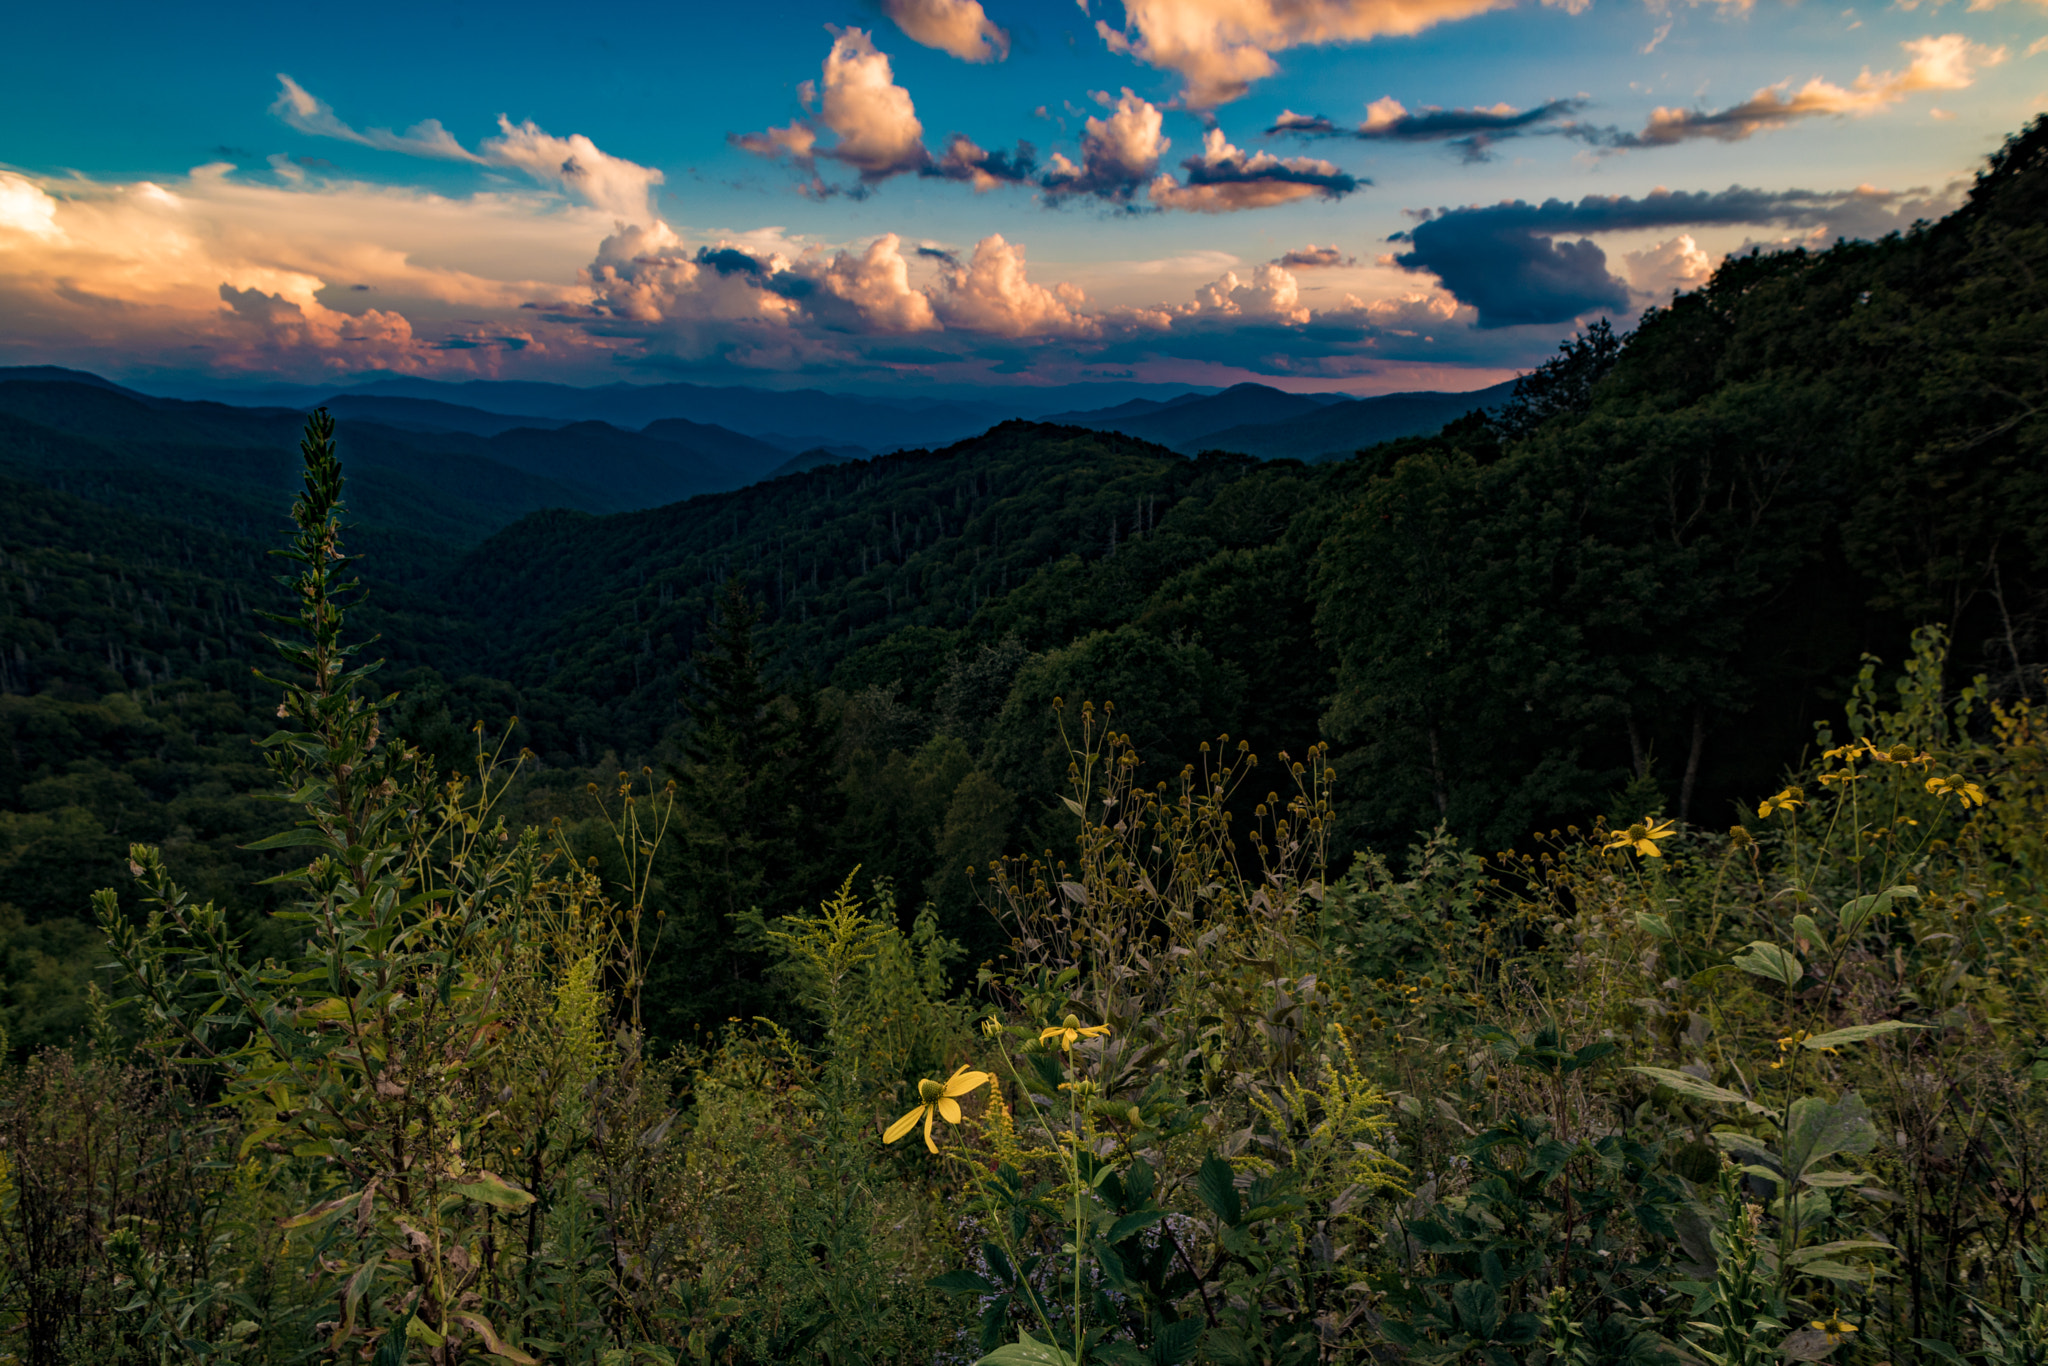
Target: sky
1360 196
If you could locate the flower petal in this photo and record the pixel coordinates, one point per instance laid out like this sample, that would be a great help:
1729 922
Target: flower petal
928 1111
903 1125
963 1081
949 1109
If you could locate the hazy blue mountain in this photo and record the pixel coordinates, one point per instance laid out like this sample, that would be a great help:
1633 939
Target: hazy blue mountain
805 461
430 415
1187 425
1340 429
720 444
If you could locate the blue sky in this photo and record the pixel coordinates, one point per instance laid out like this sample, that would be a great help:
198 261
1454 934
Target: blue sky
1314 193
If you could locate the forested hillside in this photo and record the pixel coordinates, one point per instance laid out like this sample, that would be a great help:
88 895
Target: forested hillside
1653 572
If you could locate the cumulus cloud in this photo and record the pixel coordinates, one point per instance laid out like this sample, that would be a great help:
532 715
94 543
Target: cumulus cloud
959 27
1222 179
1271 292
232 276
574 166
1516 264
1219 47
1947 62
872 121
578 168
991 294
1471 131
1669 267
1119 154
1312 257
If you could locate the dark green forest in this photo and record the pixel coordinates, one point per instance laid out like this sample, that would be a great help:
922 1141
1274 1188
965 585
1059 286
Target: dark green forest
1653 574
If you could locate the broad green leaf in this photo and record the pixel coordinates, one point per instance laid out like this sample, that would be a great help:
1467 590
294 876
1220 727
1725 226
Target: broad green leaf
1835 1038
1854 913
1654 924
1026 1351
493 1190
1804 928
1765 959
1817 1129
1686 1084
1132 1223
1218 1190
1173 1343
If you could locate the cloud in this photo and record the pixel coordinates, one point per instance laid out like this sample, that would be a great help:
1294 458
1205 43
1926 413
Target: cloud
210 272
1313 257
1669 267
578 168
1219 47
985 170
1948 62
1222 179
1271 292
871 293
1119 154
992 295
1472 131
315 118
574 166
873 123
1508 262
959 27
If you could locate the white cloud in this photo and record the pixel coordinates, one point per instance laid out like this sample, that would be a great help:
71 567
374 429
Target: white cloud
991 294
959 27
315 118
1271 293
1119 154
1663 270
24 208
872 120
1219 47
1224 180
871 292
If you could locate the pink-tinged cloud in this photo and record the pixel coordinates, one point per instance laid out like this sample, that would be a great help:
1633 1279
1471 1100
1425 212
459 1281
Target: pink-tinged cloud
1270 293
1224 180
1313 257
991 294
573 166
1220 47
1119 154
1947 62
959 27
871 293
1668 268
871 119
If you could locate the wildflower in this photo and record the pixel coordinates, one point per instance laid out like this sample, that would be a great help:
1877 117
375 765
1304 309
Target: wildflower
1739 836
1642 837
1956 785
1069 1030
1834 1325
1790 799
935 1099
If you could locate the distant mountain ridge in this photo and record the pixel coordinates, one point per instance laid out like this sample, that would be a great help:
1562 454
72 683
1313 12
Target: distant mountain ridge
1259 420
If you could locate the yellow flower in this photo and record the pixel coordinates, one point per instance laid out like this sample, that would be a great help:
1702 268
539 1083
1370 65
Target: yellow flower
1642 837
934 1099
1790 799
1834 1325
1069 1030
1956 785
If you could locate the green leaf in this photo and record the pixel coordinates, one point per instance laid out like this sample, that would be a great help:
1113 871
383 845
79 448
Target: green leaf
493 1344
493 1190
1132 1223
1654 924
962 1282
323 1210
1765 959
1816 1129
1218 1189
1686 1084
1804 928
303 837
1940 1349
1854 913
1478 1308
390 1348
1835 1038
1026 1351
1173 1343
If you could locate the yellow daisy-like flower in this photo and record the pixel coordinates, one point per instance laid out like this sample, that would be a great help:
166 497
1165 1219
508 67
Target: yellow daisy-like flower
1069 1032
1642 837
940 1100
1790 799
1957 786
1834 1325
